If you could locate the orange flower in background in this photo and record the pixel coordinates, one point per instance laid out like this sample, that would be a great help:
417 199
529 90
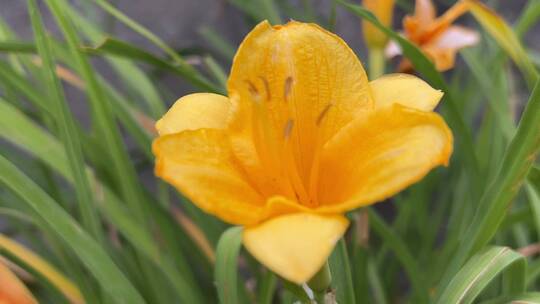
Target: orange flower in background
12 290
302 138
436 36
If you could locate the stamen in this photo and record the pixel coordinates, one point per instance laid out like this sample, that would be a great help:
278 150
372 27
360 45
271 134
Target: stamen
288 87
253 90
288 128
267 88
323 113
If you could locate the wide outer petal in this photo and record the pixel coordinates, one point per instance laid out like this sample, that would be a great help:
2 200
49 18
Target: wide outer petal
195 111
377 156
404 89
200 164
295 246
295 82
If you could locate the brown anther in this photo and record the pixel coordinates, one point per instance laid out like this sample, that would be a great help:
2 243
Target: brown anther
266 88
253 90
323 113
288 128
288 87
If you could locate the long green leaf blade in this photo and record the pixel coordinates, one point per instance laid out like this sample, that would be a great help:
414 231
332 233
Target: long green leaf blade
97 261
480 270
66 126
226 271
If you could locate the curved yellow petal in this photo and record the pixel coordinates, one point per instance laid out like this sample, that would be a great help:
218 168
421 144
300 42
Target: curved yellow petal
377 156
195 111
295 246
200 164
297 83
404 89
39 265
12 290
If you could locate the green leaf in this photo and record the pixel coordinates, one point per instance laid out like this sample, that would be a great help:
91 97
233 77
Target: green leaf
525 298
67 128
111 279
226 271
518 159
116 47
266 288
106 129
20 131
219 44
480 270
507 39
8 46
392 240
340 269
529 17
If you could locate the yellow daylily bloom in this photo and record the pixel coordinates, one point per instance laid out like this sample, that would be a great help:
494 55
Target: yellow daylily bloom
12 290
302 138
435 36
383 10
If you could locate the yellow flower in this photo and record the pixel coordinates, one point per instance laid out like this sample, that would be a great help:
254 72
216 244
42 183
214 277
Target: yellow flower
436 36
12 290
302 138
383 10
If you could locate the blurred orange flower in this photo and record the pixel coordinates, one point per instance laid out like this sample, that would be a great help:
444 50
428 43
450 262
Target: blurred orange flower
302 138
436 36
12 290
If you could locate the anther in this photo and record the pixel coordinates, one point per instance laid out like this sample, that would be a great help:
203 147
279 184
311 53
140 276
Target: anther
253 90
288 87
267 88
288 128
323 113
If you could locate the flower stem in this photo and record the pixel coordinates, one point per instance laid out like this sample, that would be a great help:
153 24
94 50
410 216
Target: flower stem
376 62
321 280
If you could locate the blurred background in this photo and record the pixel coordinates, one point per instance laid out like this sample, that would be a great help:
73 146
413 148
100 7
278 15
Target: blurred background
206 33
186 25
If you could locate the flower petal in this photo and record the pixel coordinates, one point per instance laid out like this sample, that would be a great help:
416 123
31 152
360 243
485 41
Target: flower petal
200 164
12 290
424 11
444 59
377 156
406 90
284 83
455 38
295 246
195 111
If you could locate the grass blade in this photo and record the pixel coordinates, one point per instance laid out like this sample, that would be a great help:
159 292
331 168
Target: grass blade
67 128
340 268
480 270
41 266
402 253
518 159
116 47
226 271
98 263
17 47
507 39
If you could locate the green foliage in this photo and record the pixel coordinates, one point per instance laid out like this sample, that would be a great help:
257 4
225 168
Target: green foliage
75 192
